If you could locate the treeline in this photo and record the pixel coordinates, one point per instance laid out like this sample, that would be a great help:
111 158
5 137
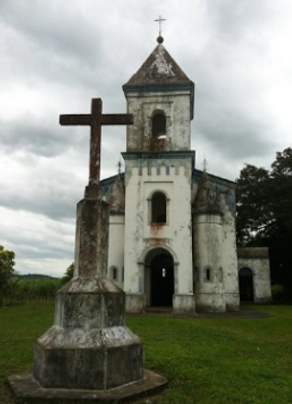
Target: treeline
26 290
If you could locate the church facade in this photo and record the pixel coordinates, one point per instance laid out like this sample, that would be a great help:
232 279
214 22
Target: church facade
172 239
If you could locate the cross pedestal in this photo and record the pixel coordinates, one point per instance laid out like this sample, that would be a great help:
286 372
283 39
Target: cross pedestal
88 354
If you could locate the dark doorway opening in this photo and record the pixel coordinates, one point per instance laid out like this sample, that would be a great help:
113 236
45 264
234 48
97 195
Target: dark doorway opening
246 285
162 280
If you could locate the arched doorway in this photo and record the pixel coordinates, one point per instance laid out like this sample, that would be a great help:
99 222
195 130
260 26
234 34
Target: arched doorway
246 284
159 278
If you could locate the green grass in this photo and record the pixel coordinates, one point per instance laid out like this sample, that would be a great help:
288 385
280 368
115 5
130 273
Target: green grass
206 361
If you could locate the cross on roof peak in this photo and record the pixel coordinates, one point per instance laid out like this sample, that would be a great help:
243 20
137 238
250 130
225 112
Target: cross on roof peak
160 20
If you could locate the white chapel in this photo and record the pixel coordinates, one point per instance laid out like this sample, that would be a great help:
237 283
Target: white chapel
172 239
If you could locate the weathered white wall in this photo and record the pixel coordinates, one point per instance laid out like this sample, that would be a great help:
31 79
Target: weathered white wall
215 248
229 256
208 241
116 246
260 267
173 177
176 107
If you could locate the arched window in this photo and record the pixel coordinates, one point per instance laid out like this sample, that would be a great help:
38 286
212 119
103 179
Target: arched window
114 273
158 208
220 274
158 125
196 274
208 275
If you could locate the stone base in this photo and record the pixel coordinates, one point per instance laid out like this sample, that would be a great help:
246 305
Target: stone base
210 303
232 301
263 300
88 359
184 303
27 390
135 303
89 346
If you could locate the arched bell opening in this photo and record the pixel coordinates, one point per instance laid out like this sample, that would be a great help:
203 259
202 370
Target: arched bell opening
246 285
159 278
158 125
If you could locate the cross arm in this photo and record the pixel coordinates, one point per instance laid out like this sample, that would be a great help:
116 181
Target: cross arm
117 119
75 120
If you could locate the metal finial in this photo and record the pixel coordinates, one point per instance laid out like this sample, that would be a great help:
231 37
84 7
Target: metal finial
119 166
160 20
205 164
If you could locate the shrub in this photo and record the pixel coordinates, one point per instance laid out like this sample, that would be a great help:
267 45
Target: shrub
279 293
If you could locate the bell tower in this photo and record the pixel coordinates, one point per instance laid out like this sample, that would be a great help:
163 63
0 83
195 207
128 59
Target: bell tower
158 182
161 98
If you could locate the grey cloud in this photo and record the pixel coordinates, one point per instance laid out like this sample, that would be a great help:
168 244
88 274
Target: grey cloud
35 248
35 136
50 26
234 21
54 43
238 133
53 194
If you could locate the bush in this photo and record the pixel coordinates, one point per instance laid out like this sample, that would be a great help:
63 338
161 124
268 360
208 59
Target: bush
279 293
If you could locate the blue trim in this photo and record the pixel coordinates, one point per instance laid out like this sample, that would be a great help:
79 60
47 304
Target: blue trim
156 88
160 155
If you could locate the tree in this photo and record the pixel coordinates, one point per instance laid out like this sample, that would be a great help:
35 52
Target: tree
253 213
68 274
6 270
264 214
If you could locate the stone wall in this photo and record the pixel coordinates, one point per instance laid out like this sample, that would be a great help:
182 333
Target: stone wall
257 260
176 107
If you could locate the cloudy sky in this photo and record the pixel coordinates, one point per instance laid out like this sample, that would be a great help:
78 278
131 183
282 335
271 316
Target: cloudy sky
56 55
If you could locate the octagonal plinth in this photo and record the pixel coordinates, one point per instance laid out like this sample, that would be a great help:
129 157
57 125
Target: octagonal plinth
84 359
90 303
89 346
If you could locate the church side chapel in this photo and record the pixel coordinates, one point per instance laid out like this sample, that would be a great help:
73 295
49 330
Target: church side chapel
172 239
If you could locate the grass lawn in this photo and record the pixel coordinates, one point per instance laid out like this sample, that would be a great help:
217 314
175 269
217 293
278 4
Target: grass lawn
206 361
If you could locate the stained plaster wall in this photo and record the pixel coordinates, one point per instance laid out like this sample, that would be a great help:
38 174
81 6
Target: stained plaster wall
144 177
116 247
176 107
230 275
208 240
257 260
215 248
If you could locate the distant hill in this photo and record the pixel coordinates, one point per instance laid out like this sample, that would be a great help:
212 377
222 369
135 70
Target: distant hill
37 277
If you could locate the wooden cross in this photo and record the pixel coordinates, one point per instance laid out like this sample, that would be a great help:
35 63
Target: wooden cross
95 120
159 20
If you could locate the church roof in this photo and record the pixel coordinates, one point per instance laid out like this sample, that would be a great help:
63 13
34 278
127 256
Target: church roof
159 69
117 196
207 198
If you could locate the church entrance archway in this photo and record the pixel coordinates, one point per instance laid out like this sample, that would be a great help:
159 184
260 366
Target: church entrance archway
246 285
160 267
